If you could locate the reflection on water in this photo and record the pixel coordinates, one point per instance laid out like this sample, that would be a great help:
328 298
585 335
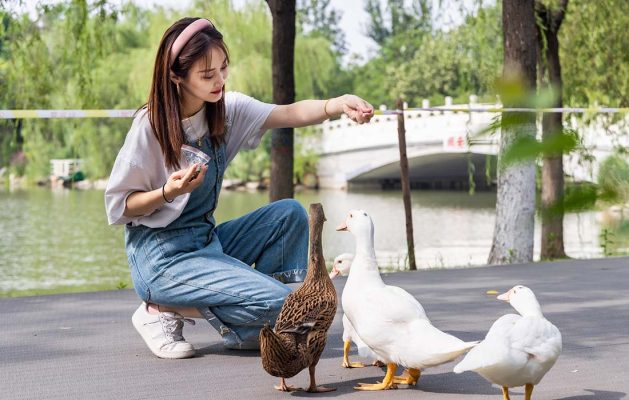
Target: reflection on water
60 239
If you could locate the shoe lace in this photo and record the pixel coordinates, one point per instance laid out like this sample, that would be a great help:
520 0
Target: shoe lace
172 324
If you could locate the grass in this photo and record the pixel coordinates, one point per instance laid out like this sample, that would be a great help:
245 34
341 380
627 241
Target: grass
65 289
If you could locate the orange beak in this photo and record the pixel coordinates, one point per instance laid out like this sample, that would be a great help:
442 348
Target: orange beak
342 226
505 296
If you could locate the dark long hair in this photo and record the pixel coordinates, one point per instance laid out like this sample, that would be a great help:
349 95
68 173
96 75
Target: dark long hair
164 101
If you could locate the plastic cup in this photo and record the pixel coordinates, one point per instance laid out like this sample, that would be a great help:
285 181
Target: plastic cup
192 155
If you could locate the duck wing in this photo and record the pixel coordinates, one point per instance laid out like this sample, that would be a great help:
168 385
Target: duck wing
401 305
301 314
537 337
349 333
494 349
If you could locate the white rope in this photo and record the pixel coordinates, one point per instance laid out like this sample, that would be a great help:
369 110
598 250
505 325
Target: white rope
578 110
45 114
29 114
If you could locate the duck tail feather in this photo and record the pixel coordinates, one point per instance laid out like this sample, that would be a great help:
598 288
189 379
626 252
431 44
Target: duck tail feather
300 329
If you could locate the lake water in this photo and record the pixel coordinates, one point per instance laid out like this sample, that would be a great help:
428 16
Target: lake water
56 241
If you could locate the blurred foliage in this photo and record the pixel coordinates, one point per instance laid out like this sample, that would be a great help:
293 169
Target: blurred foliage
593 49
614 238
466 60
317 18
613 179
620 234
612 187
580 197
397 17
417 60
93 55
525 148
99 54
606 238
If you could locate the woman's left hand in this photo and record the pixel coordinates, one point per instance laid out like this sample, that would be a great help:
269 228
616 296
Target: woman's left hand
357 109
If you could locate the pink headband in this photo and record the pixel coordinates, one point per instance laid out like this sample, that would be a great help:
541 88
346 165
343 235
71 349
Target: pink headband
185 35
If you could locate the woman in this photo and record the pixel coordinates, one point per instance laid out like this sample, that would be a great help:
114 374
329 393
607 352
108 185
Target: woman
182 264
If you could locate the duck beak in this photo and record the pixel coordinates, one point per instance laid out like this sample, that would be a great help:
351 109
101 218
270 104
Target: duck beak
505 296
334 272
342 226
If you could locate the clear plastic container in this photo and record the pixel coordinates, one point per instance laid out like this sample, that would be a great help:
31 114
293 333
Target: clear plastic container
192 155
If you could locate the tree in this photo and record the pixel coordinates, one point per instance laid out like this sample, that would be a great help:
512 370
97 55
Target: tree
93 54
282 140
462 61
515 205
397 18
10 137
593 43
549 21
399 30
316 18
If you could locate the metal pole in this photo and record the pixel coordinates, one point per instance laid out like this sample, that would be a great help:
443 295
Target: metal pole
406 186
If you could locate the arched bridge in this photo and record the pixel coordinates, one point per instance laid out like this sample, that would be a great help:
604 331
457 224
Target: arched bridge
438 150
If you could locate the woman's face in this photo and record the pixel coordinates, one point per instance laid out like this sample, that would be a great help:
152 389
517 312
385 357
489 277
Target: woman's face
205 82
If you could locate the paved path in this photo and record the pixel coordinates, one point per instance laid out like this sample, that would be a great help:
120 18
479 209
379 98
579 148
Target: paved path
83 346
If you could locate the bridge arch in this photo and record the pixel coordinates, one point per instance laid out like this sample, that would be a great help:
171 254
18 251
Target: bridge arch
429 170
438 149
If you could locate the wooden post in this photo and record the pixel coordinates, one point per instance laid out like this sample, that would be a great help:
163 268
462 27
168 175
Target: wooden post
406 186
283 68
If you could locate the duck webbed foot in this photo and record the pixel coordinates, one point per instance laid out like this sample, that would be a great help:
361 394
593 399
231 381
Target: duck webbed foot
283 387
378 363
320 389
409 377
386 384
346 362
313 388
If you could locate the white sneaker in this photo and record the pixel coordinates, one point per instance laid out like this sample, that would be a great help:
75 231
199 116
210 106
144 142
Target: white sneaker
162 332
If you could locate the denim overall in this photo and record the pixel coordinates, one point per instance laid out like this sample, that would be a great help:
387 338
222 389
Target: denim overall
194 263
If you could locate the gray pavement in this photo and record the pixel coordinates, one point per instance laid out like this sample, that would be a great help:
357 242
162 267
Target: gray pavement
83 346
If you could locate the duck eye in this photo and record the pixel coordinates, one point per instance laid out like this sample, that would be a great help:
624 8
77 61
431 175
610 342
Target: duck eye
365 214
351 216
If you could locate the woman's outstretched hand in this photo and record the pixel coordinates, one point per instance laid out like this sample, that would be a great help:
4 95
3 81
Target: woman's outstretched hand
184 180
357 109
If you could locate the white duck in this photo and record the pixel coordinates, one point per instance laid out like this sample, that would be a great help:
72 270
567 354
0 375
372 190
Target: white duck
390 321
341 266
518 349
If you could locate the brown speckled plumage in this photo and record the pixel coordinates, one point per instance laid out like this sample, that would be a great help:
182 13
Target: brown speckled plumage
300 332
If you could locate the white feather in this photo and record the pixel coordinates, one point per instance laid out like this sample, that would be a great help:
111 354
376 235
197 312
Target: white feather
518 349
391 322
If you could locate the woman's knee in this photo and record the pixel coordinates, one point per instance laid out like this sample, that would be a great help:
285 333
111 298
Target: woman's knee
277 301
294 211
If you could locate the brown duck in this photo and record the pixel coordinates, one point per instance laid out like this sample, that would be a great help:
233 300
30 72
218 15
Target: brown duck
301 328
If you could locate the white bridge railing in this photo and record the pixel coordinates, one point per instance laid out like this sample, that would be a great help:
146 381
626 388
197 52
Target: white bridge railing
349 150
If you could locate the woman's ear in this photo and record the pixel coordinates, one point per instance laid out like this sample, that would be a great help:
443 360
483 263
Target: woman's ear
174 78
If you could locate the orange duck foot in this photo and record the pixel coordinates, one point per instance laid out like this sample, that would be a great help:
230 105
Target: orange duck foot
386 384
409 377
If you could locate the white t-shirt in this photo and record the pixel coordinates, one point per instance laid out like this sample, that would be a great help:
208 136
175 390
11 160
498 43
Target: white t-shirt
140 164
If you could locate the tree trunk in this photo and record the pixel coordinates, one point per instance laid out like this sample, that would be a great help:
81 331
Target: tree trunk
19 138
552 125
515 204
283 12
406 186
